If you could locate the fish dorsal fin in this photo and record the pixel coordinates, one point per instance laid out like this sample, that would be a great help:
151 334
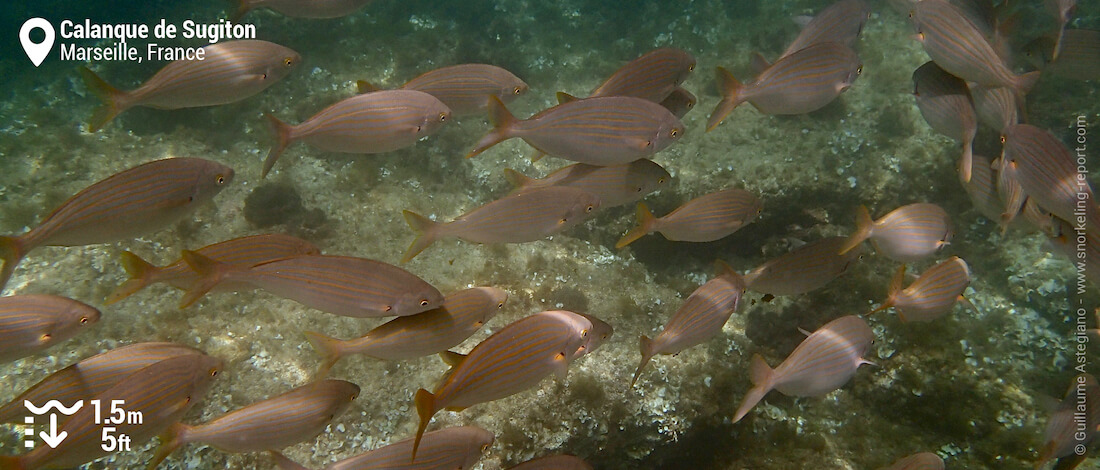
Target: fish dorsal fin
807 333
759 370
759 63
517 179
564 97
363 86
452 358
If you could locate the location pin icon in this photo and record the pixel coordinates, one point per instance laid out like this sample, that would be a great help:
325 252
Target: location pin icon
37 52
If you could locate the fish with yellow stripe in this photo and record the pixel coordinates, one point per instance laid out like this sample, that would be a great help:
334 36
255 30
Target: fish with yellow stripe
933 294
162 392
842 23
908 233
423 334
520 217
130 203
613 185
515 358
465 88
272 424
803 269
229 71
376 122
1048 173
826 360
944 101
699 319
603 131
704 219
459 447
244 251
340 285
34 322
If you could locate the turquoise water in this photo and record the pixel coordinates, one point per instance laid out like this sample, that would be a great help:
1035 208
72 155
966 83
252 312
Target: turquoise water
968 386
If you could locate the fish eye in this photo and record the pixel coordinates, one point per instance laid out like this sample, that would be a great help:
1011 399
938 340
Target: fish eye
213 372
661 180
859 71
484 447
500 305
517 90
424 302
46 337
1003 139
910 14
563 220
83 320
691 104
584 333
288 61
560 355
588 209
673 133
649 143
442 117
691 68
220 179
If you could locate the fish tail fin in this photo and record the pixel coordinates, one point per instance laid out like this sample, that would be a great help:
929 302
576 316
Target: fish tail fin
425 408
1024 83
11 462
730 89
283 138
12 252
209 276
328 348
170 440
425 229
502 121
896 283
564 97
759 63
283 462
863 230
517 179
645 226
363 86
646 345
140 272
112 98
761 375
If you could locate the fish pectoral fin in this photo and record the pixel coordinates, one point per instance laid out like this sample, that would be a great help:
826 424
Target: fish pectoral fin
966 302
456 409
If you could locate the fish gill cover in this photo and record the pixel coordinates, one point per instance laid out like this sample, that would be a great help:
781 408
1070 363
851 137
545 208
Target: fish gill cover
969 386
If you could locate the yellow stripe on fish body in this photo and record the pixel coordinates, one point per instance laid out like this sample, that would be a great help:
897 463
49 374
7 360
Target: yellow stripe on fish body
343 285
908 233
554 462
520 217
944 101
451 448
90 377
230 71
466 88
127 204
703 219
514 359
613 185
1047 172
603 131
375 122
32 323
825 361
803 269
423 334
995 106
699 319
162 392
653 76
244 251
281 421
921 461
933 294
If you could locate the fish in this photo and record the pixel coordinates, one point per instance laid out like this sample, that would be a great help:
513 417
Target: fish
826 360
842 23
461 315
960 48
996 107
908 233
944 101
452 448
802 82
932 295
1009 190
699 319
376 122
302 8
600 332
704 219
340 285
921 461
803 269
92 376
244 251
1079 57
1063 11
465 88
281 421
602 131
554 462
653 76
613 185
31 323
515 358
517 218
1047 172
1073 421
134 202
162 392
229 71
982 189
679 102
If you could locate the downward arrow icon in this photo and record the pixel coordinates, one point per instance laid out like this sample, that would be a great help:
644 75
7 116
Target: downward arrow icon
53 439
